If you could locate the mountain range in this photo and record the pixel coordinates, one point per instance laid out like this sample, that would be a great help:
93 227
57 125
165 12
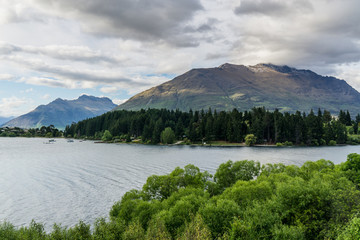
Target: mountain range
5 119
225 87
62 112
242 87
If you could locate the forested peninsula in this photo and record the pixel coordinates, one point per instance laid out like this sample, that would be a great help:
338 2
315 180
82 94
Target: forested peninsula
257 126
243 200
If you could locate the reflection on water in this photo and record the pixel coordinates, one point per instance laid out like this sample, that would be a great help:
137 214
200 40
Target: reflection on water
65 182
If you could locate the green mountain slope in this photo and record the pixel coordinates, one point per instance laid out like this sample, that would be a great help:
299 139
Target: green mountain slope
237 86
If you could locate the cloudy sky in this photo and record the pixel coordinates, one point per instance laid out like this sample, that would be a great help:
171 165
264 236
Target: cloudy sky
117 48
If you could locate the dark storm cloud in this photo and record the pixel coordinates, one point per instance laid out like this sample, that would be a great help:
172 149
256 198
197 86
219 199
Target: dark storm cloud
294 32
203 28
155 20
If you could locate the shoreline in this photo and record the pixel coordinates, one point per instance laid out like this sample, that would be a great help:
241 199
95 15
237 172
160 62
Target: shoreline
225 144
181 143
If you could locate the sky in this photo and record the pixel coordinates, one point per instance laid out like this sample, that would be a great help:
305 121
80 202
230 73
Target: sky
117 48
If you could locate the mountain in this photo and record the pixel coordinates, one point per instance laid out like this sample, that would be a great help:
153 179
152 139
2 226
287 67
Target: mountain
63 112
5 119
243 87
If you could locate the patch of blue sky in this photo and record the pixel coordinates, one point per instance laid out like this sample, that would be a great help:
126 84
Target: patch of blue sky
164 75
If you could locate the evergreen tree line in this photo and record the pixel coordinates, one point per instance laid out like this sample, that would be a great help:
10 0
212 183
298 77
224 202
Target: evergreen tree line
243 200
197 126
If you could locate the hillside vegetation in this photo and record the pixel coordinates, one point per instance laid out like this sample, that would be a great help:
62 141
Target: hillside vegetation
243 200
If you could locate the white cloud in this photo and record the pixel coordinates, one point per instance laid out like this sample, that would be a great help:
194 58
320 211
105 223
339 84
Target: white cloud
350 73
50 82
62 52
6 77
13 106
29 90
108 89
119 101
46 96
69 77
15 11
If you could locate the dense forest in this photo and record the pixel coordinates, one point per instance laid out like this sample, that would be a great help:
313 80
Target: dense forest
243 200
166 126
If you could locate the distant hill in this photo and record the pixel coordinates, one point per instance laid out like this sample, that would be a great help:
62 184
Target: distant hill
244 87
5 119
63 112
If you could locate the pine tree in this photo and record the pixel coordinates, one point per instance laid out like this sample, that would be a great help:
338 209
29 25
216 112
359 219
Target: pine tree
348 119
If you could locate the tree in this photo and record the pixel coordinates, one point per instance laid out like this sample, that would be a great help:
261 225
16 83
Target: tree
342 117
81 231
352 167
340 131
230 172
157 131
326 116
356 127
107 136
49 135
167 136
157 230
352 230
250 139
348 119
134 231
218 215
196 230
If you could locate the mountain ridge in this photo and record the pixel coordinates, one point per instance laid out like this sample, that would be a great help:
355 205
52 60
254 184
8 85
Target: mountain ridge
242 87
5 119
62 112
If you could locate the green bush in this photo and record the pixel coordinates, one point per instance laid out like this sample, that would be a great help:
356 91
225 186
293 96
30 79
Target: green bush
167 136
250 139
230 172
107 136
352 230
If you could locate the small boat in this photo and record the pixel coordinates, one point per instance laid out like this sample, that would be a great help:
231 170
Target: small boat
52 140
70 140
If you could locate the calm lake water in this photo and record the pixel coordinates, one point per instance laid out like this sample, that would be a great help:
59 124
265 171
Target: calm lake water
65 182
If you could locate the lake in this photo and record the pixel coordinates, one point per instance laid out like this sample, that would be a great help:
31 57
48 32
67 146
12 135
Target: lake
65 182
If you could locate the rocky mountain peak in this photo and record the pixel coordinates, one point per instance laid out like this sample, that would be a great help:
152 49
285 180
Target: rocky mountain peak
242 87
